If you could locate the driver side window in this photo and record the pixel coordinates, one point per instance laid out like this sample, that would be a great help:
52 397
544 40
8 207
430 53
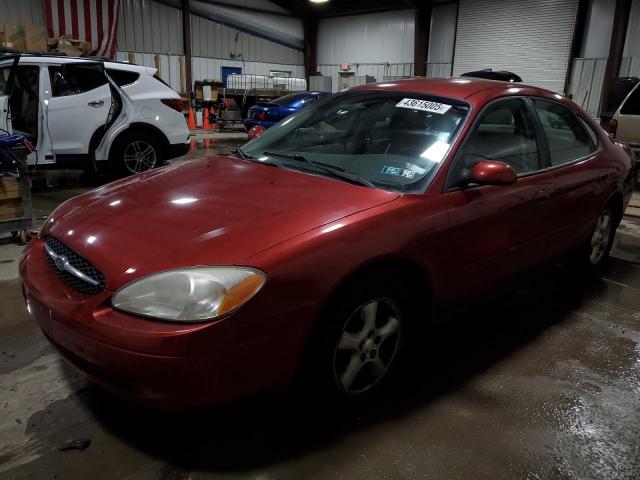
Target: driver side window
505 132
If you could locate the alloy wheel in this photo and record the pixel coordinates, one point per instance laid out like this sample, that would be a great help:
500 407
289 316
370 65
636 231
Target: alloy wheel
600 238
139 156
368 346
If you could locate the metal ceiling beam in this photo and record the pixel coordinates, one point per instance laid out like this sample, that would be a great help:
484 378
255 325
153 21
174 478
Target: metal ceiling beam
249 9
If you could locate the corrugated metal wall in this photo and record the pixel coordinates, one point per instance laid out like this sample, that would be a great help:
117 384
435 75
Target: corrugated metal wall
149 27
631 61
210 68
530 37
283 29
585 83
373 38
377 44
214 40
22 11
380 71
442 39
587 71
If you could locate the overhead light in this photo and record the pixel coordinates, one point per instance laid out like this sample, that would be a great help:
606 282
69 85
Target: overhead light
318 1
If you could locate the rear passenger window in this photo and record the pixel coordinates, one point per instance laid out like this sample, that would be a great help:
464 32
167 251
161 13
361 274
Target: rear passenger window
632 105
566 136
504 133
73 79
123 77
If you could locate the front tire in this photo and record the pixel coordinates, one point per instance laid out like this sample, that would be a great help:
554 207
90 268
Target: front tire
361 341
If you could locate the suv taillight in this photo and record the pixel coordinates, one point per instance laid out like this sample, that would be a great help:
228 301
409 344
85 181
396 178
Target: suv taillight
261 115
176 103
613 128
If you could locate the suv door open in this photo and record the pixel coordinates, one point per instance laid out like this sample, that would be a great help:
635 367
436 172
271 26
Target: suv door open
7 72
80 105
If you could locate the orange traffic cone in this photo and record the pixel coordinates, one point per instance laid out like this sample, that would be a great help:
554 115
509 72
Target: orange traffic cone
205 122
191 122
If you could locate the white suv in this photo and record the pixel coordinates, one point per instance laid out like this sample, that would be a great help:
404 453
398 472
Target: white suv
91 112
625 124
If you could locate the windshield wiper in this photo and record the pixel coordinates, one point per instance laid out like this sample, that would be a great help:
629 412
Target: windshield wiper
242 154
333 170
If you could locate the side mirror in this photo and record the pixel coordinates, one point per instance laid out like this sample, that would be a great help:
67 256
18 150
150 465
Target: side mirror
489 172
255 132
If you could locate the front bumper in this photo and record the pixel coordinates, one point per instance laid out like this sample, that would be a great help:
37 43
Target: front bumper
161 364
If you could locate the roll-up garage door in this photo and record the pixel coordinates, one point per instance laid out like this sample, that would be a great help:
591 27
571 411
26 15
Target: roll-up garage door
529 37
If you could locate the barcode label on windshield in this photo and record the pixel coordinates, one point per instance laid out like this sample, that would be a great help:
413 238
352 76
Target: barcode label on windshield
424 105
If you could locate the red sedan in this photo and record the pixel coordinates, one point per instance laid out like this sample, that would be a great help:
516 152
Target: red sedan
321 246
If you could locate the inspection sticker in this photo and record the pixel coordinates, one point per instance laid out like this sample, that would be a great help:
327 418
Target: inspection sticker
398 172
424 105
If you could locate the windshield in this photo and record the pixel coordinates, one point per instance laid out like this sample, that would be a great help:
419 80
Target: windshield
388 140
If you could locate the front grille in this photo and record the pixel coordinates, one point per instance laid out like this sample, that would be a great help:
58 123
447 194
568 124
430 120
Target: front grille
77 262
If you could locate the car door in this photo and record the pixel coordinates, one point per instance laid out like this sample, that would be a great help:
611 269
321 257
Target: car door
497 231
7 71
79 104
578 174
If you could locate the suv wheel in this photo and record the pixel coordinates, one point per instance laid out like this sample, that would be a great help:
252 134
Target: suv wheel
136 152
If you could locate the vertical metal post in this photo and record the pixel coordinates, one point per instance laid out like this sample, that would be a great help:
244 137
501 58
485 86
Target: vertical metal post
618 37
310 27
421 39
186 39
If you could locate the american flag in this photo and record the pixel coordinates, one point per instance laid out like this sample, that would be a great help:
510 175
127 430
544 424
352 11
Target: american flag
91 21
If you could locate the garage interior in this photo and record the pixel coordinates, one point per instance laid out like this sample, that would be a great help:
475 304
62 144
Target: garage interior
539 381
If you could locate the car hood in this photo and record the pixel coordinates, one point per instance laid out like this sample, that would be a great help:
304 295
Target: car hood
215 211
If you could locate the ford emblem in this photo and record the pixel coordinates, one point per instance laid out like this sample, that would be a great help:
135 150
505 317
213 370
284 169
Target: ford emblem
60 262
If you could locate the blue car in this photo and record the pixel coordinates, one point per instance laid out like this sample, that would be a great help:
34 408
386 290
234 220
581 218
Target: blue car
274 111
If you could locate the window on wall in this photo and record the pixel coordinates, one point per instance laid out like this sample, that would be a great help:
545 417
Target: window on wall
566 136
279 73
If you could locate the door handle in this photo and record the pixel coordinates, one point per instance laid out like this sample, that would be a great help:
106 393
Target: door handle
96 103
541 195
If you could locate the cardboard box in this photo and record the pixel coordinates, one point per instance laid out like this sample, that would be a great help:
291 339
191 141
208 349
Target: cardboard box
15 35
73 47
69 50
36 37
9 188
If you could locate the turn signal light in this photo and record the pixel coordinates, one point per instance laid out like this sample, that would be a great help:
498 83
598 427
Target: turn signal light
176 103
613 128
261 116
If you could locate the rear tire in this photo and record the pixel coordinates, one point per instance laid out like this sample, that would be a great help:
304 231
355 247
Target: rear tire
135 152
595 252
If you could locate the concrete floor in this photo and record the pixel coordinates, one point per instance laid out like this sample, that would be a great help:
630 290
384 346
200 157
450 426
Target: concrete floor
540 382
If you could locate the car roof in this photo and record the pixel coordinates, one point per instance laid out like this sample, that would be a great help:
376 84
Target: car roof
456 87
62 59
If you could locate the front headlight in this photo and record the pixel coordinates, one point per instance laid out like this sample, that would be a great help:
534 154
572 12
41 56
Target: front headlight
190 294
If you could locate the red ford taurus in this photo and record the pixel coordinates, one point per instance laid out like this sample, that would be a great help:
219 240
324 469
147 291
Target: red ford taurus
316 249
